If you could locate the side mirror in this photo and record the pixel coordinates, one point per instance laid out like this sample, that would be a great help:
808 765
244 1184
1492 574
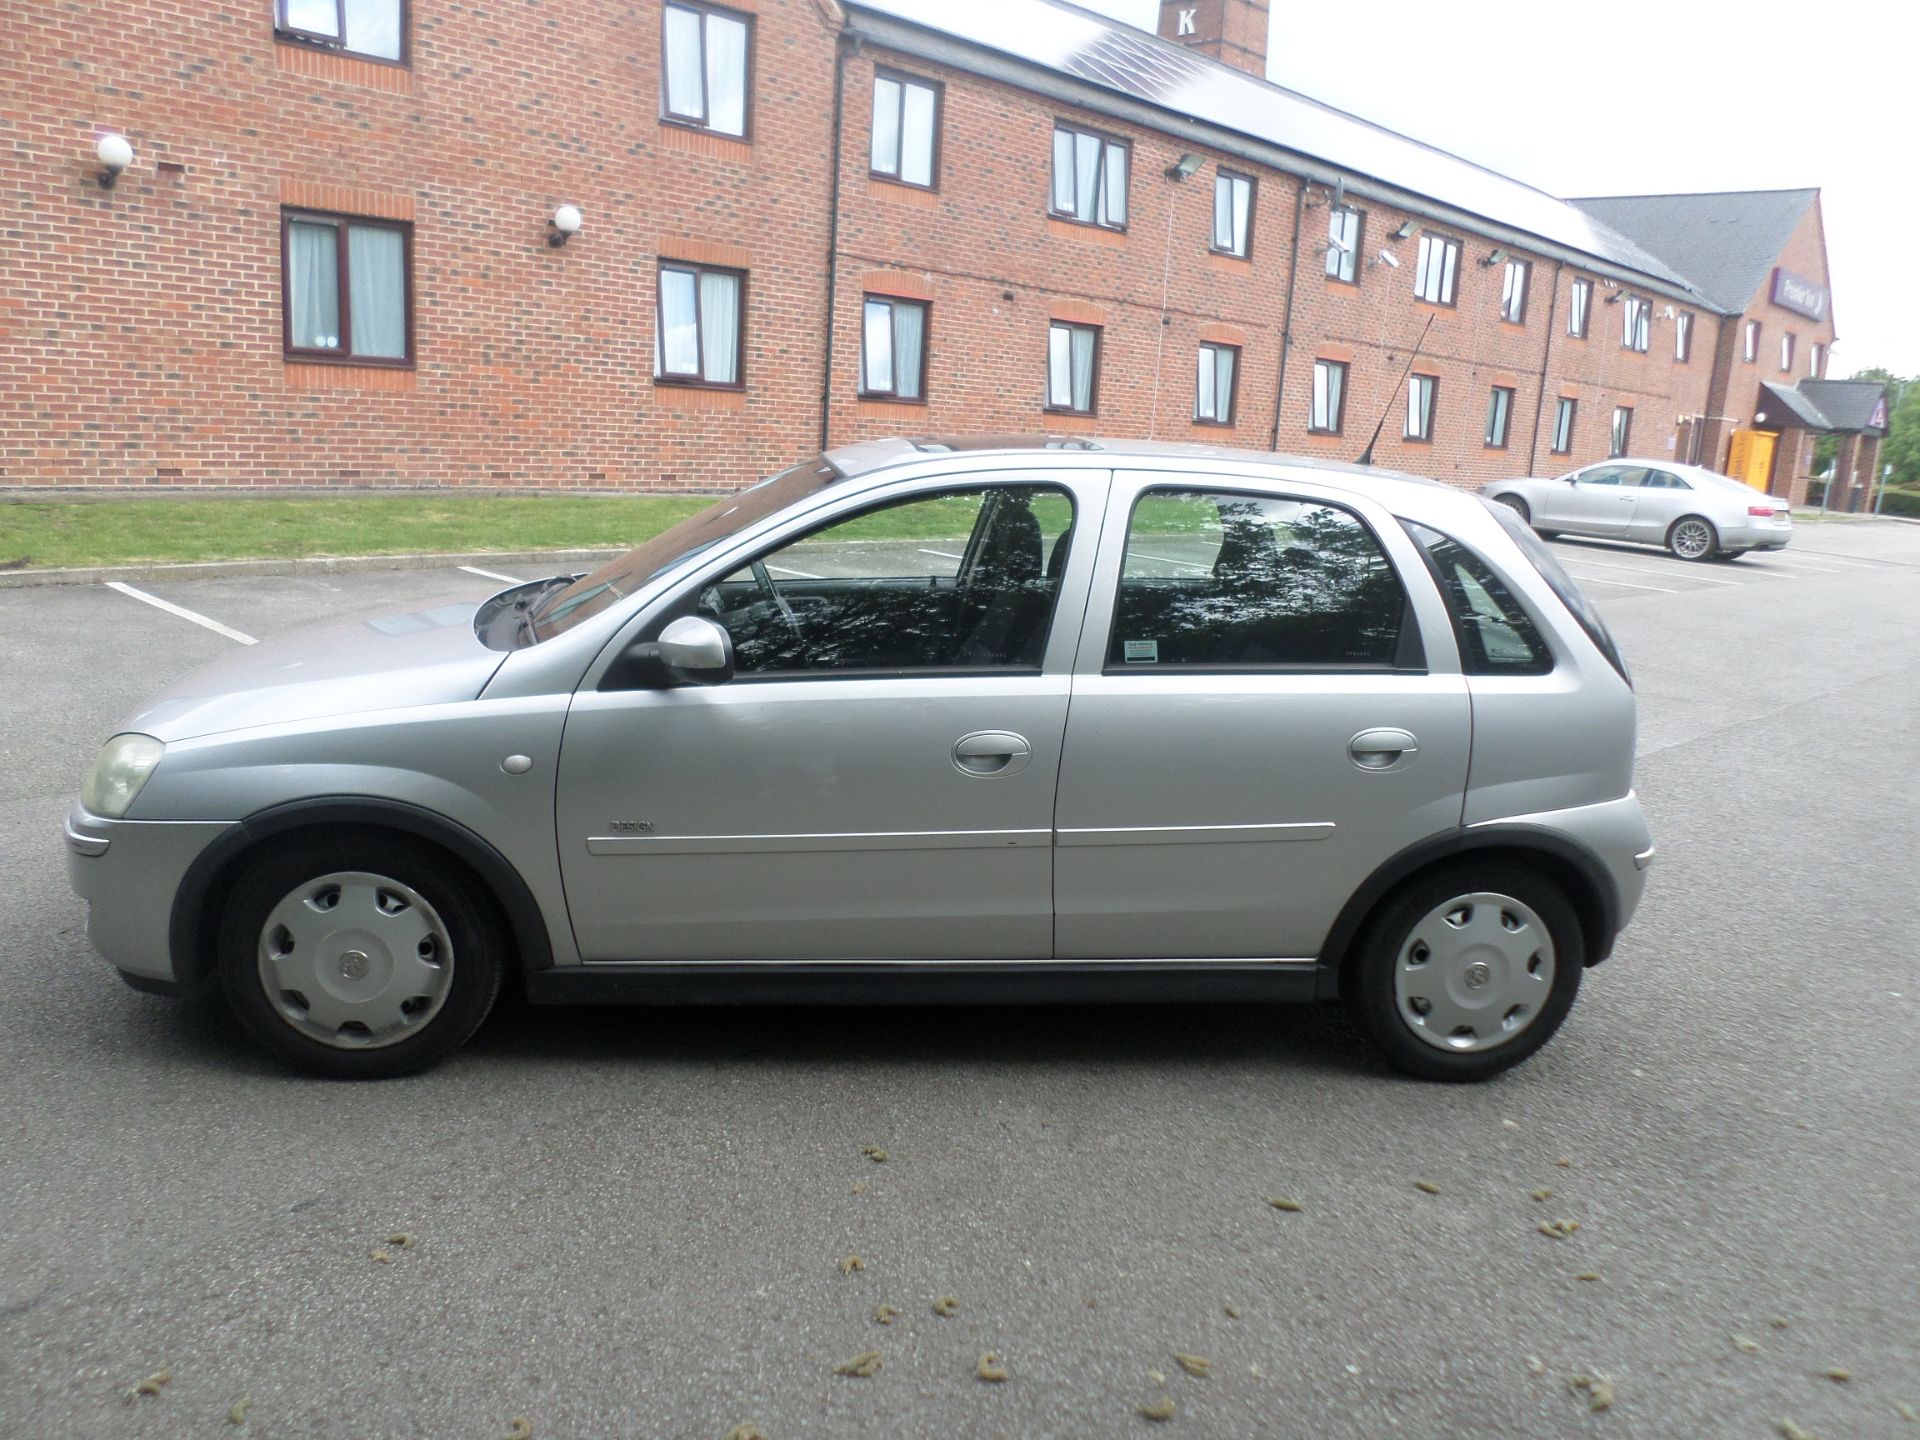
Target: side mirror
697 651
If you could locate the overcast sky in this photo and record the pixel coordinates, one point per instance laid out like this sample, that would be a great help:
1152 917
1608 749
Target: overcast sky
1651 97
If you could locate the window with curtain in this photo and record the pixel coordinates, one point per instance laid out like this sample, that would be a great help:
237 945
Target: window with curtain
375 29
1786 351
893 348
698 333
1513 292
1499 413
1343 244
1636 323
1563 425
906 128
1622 429
1073 364
1816 354
1420 396
704 68
1578 309
1683 337
1215 379
346 284
1329 405
1089 178
1433 276
1232 213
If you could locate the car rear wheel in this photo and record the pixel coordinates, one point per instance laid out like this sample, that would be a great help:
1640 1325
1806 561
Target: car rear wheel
1467 971
358 957
1692 538
1517 505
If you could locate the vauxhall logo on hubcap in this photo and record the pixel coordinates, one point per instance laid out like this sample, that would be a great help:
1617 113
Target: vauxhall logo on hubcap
353 965
1477 975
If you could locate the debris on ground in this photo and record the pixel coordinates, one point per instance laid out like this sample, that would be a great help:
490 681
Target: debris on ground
1791 1431
990 1368
874 1153
859 1189
1565 1162
748 1431
1156 1377
945 1306
1509 1124
1597 1389
153 1384
1543 1194
1908 1412
1197 1366
380 1257
1232 1312
851 1264
400 1240
1161 1409
1535 1365
238 1414
1559 1229
1746 1346
1779 1322
862 1366
1292 1207
1837 1375
885 1315
1588 1275
1426 1187
520 1428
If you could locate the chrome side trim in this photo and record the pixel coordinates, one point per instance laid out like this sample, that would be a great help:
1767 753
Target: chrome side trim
1196 834
838 843
1009 967
84 844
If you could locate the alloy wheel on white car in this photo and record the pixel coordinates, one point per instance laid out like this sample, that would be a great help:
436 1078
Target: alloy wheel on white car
1692 538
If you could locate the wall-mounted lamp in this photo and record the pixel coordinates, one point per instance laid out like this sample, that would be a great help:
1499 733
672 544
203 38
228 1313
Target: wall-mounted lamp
116 154
1667 314
1613 299
1185 166
1759 417
564 225
1495 258
1386 259
1407 228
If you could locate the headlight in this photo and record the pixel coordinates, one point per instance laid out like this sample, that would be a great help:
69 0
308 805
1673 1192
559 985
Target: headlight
117 776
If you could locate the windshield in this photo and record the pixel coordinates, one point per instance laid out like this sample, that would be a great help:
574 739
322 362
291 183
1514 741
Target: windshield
590 594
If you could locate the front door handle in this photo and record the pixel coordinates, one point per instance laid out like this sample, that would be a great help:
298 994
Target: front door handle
987 753
1382 749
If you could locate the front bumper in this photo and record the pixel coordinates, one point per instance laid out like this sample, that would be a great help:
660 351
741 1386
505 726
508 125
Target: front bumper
128 872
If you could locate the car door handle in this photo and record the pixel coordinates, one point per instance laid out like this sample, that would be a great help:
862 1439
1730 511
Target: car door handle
1382 749
991 752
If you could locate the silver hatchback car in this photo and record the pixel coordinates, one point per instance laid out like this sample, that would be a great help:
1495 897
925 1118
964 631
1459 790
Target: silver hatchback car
917 722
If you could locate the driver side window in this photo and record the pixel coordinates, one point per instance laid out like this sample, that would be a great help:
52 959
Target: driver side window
962 579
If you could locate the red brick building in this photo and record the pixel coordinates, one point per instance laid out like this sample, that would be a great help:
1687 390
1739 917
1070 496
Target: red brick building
668 244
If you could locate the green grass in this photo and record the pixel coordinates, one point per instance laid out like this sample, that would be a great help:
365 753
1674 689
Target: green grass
126 532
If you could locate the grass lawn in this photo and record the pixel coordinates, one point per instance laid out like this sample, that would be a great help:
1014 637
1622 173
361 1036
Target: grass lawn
126 532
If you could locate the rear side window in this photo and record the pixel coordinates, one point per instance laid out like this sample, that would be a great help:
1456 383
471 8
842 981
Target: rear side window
1224 581
1561 583
1497 636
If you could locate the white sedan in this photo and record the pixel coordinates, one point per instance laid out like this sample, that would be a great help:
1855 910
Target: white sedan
1695 513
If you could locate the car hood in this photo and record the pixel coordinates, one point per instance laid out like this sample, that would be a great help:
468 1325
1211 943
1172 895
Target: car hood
426 655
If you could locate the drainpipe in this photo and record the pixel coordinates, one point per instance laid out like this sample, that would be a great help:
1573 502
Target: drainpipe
844 44
1546 362
1286 321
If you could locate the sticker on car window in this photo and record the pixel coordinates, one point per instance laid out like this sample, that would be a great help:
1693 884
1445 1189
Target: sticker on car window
1141 652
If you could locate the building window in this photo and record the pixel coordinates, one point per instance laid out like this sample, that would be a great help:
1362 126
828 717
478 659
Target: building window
1816 358
1786 352
1073 367
906 130
697 339
1563 425
708 62
1579 309
1751 348
1219 372
1513 292
1089 178
1344 228
1622 430
1433 278
893 348
1232 213
348 288
1329 397
374 29
1420 395
1636 323
1683 337
1499 412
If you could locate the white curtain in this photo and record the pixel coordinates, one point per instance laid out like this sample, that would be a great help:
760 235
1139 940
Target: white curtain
916 140
686 91
878 336
886 126
720 327
377 285
1063 172
1230 195
1059 367
313 273
1203 407
1082 368
1086 176
1320 416
726 75
1114 211
373 27
678 349
1222 384
909 348
316 17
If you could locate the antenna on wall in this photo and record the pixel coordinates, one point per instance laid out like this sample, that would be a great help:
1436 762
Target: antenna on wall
1366 455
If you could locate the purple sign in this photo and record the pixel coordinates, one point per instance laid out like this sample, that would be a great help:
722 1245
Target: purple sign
1799 294
1878 420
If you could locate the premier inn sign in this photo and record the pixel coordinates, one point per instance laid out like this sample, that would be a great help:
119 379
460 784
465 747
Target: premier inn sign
1799 294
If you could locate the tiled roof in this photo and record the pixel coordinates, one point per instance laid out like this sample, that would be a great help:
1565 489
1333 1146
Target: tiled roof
1725 243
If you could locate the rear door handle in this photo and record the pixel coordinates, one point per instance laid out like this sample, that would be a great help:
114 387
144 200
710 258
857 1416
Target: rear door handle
987 753
1383 749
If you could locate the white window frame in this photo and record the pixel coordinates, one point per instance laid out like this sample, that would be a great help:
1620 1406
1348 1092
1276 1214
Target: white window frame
1062 332
1513 292
1565 412
901 168
1436 272
1580 308
1109 210
1683 337
1238 191
1499 407
703 118
1620 438
1327 409
890 305
1422 393
1751 342
1345 225
1636 323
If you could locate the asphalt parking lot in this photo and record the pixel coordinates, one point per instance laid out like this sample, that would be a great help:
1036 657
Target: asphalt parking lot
634 1222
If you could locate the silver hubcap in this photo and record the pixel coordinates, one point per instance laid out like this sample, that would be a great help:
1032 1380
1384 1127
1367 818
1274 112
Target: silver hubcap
355 961
1692 539
1474 972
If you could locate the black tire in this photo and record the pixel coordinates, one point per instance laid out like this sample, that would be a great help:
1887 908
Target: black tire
1515 504
1368 979
466 910
1548 534
1685 540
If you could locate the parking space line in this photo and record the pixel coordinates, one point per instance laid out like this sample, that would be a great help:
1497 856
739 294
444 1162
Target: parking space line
1801 565
1602 580
797 574
182 612
1168 560
943 554
1643 570
491 575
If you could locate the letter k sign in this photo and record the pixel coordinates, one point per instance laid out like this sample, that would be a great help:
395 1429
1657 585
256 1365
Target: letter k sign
1186 21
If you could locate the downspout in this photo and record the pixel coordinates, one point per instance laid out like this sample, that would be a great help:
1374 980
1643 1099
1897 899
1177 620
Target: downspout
843 44
1546 363
1286 320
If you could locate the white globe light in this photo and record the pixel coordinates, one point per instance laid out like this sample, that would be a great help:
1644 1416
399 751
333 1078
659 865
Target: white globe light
568 219
114 151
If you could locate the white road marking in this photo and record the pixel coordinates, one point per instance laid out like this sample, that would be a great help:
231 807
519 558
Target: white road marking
1168 559
491 575
1602 580
182 612
1574 559
943 554
1798 564
797 574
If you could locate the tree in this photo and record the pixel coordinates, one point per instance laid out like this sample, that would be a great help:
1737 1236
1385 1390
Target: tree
1902 446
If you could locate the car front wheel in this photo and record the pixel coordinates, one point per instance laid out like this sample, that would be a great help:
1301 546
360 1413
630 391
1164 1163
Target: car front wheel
1467 971
1515 504
358 956
1692 538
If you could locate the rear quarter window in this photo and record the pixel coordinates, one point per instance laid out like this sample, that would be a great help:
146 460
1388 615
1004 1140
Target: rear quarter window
1497 636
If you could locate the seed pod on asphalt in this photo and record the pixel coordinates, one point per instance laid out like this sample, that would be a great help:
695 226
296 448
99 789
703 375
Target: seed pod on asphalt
990 1368
1837 1375
1543 1194
1779 1322
153 1384
1536 1365
1791 1431
874 1153
1232 1312
748 1431
1746 1346
238 1414
861 1366
1292 1207
401 1239
520 1428
1907 1412
1426 1187
851 1264
1588 1275
380 1257
1197 1366
885 1315
945 1306
1161 1409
